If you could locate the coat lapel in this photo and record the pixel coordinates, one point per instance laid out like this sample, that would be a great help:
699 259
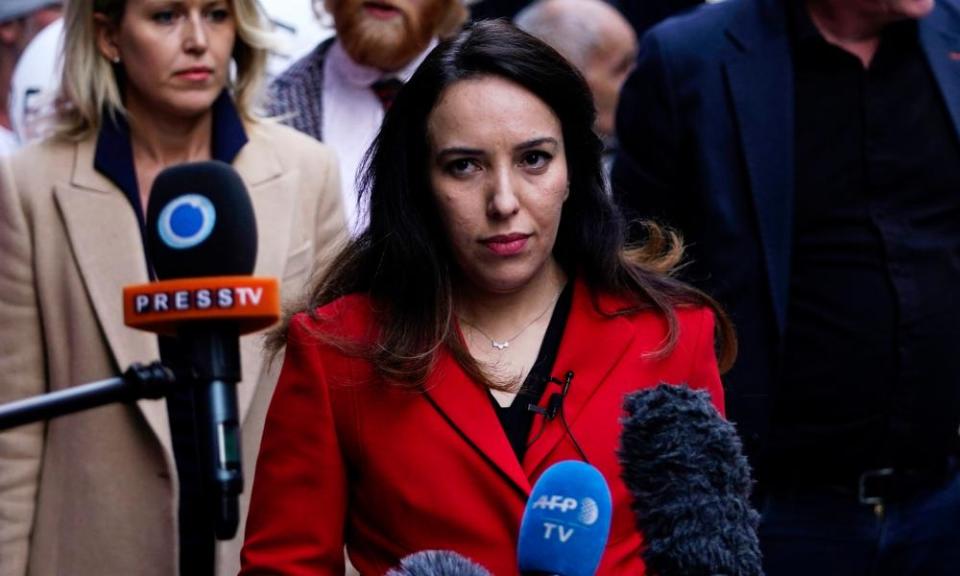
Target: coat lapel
112 256
109 256
592 346
941 43
295 96
760 77
466 407
272 193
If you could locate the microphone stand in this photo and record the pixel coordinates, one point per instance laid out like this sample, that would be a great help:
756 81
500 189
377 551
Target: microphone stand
152 381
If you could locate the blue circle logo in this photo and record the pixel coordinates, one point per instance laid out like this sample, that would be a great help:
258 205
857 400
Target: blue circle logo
186 221
589 511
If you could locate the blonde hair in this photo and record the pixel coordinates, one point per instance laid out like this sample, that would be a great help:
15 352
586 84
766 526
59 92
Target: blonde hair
89 86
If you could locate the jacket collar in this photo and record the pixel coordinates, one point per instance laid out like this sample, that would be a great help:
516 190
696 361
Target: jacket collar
760 77
940 39
594 343
113 156
465 406
110 255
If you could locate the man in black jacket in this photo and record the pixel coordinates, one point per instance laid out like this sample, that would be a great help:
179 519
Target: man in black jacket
809 152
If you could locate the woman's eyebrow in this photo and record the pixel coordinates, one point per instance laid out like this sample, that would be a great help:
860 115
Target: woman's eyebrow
466 151
537 142
459 151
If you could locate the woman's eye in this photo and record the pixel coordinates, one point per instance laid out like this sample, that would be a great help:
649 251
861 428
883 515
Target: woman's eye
163 17
462 166
218 15
535 159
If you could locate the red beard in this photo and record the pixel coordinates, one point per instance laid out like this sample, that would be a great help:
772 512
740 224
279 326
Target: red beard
387 44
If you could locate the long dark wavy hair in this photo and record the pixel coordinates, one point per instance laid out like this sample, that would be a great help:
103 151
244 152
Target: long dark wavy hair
403 259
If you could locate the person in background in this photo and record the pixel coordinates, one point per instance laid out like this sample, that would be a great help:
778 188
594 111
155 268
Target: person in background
146 85
299 26
492 275
338 92
35 84
598 41
20 21
37 75
809 150
642 14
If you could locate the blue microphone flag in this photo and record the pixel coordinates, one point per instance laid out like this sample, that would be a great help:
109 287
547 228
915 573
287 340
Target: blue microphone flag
566 522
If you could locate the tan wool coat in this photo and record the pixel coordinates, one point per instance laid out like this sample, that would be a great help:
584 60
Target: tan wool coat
95 493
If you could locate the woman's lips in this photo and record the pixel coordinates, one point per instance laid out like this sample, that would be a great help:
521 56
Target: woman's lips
507 244
195 74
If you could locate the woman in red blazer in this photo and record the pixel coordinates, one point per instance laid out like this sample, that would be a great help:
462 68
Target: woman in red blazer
492 270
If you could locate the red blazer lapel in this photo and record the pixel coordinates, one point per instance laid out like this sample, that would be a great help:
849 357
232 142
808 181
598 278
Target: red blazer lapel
465 406
592 346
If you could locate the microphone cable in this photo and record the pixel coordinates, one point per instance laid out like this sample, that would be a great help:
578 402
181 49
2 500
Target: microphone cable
555 407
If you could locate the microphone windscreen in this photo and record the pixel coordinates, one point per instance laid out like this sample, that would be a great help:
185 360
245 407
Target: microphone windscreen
566 522
690 482
437 563
200 222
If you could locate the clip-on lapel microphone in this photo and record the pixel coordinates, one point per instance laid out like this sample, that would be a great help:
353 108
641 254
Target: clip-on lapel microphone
555 403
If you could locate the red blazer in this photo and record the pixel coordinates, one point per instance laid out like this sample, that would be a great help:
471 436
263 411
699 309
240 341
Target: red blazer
348 460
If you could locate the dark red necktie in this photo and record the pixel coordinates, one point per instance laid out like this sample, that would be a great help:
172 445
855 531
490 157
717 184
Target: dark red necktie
386 90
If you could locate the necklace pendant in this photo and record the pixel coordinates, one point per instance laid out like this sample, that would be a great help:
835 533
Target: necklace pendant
500 345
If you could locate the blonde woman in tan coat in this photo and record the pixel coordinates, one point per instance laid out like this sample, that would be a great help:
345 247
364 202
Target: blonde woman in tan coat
147 84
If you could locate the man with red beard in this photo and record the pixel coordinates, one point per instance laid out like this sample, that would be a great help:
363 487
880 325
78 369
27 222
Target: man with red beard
338 93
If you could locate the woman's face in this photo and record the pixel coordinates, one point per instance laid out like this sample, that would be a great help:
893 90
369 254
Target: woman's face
175 53
499 176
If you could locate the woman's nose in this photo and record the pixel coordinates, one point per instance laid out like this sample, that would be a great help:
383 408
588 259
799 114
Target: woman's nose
503 194
195 33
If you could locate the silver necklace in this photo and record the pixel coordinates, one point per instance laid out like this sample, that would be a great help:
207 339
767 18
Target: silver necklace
502 345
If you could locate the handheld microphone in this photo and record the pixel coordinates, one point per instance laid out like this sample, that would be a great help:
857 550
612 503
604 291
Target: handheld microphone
437 563
202 240
684 465
566 523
